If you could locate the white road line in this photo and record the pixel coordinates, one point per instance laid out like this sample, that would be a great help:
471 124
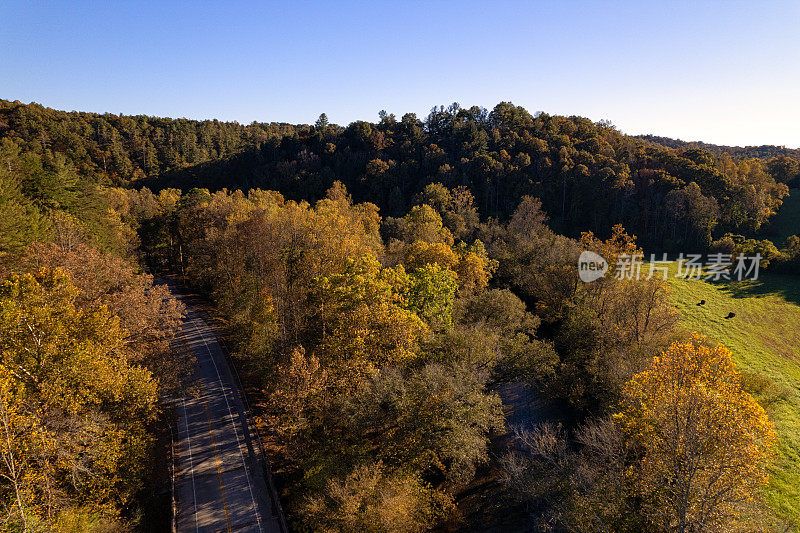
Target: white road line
191 463
233 421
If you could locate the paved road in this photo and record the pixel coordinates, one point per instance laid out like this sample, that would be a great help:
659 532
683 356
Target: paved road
220 483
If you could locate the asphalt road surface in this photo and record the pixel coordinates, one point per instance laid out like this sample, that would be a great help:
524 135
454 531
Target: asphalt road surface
220 481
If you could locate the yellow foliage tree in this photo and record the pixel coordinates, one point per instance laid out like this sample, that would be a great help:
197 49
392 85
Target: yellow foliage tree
22 443
365 322
421 253
69 369
470 264
474 267
705 444
297 392
423 223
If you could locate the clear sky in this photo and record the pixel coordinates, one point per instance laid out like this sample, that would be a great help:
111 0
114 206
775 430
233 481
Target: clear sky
722 72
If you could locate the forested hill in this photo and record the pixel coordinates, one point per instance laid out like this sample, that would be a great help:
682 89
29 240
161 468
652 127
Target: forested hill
766 151
375 333
123 148
588 175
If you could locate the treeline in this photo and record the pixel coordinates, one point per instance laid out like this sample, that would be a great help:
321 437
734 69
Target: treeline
84 354
766 151
588 175
120 149
380 344
784 260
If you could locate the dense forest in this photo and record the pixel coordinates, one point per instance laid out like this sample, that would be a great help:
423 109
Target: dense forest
381 282
85 342
588 176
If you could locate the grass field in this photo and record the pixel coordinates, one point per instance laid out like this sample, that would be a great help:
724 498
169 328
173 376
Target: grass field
764 338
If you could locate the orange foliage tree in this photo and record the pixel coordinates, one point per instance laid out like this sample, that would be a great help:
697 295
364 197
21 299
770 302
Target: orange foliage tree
705 444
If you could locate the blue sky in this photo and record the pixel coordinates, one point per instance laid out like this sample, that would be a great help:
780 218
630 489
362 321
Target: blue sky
723 72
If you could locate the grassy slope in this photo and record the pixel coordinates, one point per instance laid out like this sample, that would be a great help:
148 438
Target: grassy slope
764 338
787 221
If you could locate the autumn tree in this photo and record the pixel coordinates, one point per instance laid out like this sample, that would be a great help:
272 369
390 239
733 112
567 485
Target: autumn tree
536 262
364 321
375 499
610 328
425 224
435 419
147 311
70 370
705 443
23 443
496 335
456 207
297 395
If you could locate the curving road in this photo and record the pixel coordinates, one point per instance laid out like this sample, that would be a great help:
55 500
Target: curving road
220 479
